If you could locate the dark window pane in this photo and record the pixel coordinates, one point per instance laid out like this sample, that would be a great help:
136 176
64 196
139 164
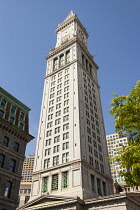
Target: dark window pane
5 141
2 157
16 147
7 189
22 116
21 125
3 103
13 109
11 120
1 113
12 165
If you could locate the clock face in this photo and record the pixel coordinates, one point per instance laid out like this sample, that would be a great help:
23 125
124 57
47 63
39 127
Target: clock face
81 34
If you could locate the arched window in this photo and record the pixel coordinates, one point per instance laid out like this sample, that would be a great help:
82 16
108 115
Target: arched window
2 158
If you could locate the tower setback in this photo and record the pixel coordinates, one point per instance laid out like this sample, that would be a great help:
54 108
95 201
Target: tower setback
71 153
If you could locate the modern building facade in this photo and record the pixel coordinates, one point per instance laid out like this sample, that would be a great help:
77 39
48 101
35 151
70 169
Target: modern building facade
14 136
114 143
25 184
71 154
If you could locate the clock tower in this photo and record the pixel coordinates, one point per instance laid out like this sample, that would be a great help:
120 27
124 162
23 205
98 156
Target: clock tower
71 153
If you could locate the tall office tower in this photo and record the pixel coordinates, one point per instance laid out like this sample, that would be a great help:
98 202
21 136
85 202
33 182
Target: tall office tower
14 135
25 184
71 153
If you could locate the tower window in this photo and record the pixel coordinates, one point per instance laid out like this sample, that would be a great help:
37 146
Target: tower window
65 179
61 60
55 63
67 56
47 163
65 157
55 182
22 116
56 160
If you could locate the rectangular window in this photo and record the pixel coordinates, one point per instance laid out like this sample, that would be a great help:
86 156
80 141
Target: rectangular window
51 102
66 127
5 141
13 109
66 89
56 149
55 182
90 160
61 60
59 92
57 121
55 63
50 117
102 168
65 180
11 120
66 110
65 157
104 188
8 188
66 95
47 163
47 151
12 165
57 130
49 125
65 136
52 95
56 139
96 164
58 98
49 133
48 142
67 56
66 102
66 82
56 160
65 118
99 187
58 106
66 76
16 147
58 113
2 158
93 183
59 86
3 103
51 109
45 185
22 116
60 80
65 145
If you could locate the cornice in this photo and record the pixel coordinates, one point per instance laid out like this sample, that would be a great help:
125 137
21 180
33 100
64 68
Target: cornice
13 99
14 131
73 40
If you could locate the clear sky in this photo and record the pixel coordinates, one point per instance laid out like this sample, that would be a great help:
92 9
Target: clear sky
27 31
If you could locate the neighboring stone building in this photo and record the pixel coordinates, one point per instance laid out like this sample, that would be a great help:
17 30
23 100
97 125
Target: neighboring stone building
14 136
129 201
25 185
71 155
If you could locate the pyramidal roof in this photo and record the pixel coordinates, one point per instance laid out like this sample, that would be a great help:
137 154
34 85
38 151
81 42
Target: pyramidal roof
71 17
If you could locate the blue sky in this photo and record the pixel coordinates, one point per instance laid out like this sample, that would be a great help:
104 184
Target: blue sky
27 31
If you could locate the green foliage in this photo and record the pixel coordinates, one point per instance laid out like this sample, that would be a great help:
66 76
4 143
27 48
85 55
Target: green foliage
126 111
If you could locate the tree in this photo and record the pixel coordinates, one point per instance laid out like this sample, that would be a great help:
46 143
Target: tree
126 111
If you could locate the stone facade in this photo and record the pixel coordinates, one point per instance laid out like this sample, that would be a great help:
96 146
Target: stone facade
13 139
71 154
